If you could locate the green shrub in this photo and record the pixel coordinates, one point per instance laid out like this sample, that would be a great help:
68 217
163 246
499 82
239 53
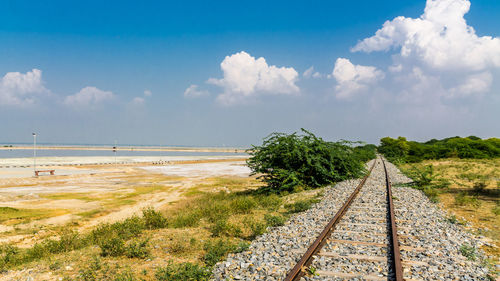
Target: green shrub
468 251
178 246
184 271
130 227
68 241
301 205
153 219
431 193
257 228
216 210
215 251
113 247
241 247
137 249
219 228
189 219
9 255
284 161
101 271
270 202
365 153
274 220
243 204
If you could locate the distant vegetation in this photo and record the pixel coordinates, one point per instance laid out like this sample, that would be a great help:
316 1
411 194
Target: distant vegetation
402 150
290 162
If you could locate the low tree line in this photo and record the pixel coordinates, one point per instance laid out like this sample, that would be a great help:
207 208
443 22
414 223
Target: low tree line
472 147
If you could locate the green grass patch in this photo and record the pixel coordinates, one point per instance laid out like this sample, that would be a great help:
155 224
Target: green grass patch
11 216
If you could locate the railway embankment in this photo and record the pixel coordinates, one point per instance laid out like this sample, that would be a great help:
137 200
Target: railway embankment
431 247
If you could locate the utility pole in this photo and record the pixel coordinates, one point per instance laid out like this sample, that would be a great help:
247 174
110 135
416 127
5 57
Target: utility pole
114 150
34 153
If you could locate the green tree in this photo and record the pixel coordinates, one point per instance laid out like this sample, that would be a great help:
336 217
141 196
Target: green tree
285 161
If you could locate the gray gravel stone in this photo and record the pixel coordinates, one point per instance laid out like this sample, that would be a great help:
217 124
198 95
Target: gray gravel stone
274 253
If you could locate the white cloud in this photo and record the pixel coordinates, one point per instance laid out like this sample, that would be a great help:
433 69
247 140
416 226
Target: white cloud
20 89
138 101
439 39
147 93
441 47
353 78
246 77
311 73
88 97
194 92
473 84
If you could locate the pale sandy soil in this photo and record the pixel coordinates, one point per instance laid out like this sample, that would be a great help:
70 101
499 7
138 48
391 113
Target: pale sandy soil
77 189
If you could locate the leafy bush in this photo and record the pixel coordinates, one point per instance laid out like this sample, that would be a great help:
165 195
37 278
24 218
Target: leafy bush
187 219
243 205
215 251
300 205
101 271
219 228
137 249
270 202
8 255
153 219
365 153
126 229
274 220
184 271
257 228
284 161
114 247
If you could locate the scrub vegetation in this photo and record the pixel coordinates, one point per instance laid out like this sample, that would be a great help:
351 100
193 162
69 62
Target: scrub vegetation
461 175
289 162
472 147
187 238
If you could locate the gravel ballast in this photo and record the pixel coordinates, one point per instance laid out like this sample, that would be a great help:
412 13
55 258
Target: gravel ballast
433 244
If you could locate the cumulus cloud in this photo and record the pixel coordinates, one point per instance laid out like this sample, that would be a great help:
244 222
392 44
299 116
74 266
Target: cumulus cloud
193 91
311 73
473 84
88 97
246 77
147 93
18 89
441 44
440 38
353 78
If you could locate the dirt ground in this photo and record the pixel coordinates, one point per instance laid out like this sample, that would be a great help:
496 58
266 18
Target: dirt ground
86 195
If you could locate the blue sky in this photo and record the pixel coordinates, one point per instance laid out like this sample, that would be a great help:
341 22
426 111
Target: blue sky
96 60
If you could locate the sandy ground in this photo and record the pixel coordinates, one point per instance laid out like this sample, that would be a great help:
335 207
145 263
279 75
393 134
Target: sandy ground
112 188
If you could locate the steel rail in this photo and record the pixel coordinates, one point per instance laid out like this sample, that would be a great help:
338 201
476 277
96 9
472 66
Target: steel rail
299 269
396 256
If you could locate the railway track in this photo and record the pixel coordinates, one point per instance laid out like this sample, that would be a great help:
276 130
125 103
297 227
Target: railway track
361 241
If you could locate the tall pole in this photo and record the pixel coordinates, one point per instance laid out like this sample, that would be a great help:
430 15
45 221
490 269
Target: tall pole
34 153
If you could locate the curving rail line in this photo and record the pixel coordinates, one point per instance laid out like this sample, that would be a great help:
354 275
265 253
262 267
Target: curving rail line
300 269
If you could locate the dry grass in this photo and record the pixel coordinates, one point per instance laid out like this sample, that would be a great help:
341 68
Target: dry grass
462 200
240 217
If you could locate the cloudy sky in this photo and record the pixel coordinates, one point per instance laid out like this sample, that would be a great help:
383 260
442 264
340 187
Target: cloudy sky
229 73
